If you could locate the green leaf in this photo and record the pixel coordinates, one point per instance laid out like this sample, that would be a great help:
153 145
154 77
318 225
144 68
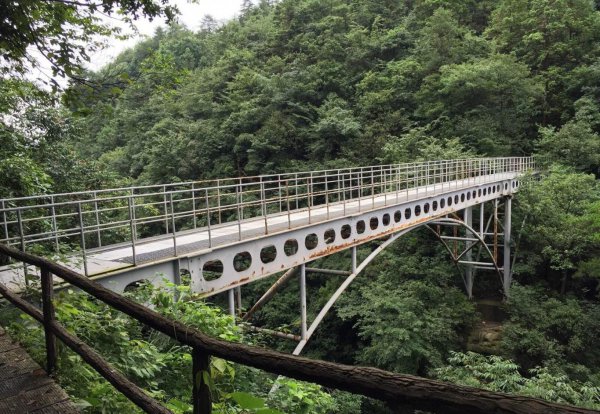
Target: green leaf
219 364
247 401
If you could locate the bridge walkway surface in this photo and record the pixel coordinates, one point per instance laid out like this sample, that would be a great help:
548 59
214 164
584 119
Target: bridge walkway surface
25 388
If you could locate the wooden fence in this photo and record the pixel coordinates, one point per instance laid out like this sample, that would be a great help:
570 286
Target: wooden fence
397 390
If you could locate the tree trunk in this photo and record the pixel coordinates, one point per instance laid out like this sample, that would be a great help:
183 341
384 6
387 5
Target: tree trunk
563 283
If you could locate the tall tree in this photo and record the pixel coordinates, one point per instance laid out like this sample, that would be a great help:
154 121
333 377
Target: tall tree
64 32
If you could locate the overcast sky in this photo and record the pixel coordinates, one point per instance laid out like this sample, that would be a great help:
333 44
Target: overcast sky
191 16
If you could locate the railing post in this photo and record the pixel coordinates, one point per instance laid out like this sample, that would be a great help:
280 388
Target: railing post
132 228
82 235
359 182
54 223
4 220
340 185
279 192
201 373
287 202
263 199
238 197
384 186
372 188
327 194
309 190
208 218
166 209
219 201
344 190
98 235
296 191
48 311
173 229
194 205
416 179
241 200
22 235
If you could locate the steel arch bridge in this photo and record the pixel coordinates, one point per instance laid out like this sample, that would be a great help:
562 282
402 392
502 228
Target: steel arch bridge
228 232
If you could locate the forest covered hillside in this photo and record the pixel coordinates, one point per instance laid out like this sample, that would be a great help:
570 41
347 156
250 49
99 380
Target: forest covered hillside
300 85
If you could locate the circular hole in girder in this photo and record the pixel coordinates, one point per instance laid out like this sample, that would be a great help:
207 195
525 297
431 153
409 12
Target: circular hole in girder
426 208
329 236
434 205
407 213
360 226
397 216
290 247
462 198
449 201
385 219
468 196
311 241
268 254
212 270
374 223
242 261
456 199
346 231
442 202
138 284
417 210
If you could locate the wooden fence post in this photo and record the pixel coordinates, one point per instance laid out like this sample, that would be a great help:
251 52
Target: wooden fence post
48 310
201 392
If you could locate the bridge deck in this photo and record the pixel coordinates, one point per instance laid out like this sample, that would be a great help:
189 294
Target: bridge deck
120 257
24 385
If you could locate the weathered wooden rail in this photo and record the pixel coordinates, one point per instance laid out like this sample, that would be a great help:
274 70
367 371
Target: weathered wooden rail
395 389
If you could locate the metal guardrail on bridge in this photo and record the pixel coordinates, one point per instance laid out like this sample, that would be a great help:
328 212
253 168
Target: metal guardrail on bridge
103 219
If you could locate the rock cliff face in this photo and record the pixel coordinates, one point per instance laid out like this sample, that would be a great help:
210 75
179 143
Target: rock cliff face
485 337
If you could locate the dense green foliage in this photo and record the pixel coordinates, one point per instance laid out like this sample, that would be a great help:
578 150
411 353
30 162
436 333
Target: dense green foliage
497 374
340 82
158 363
310 84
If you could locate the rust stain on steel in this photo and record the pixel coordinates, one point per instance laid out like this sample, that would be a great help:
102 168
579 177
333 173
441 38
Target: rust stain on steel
242 280
334 249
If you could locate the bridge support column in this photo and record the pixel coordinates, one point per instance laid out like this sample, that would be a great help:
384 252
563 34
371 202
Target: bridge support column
468 219
303 324
238 294
354 259
231 298
507 274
